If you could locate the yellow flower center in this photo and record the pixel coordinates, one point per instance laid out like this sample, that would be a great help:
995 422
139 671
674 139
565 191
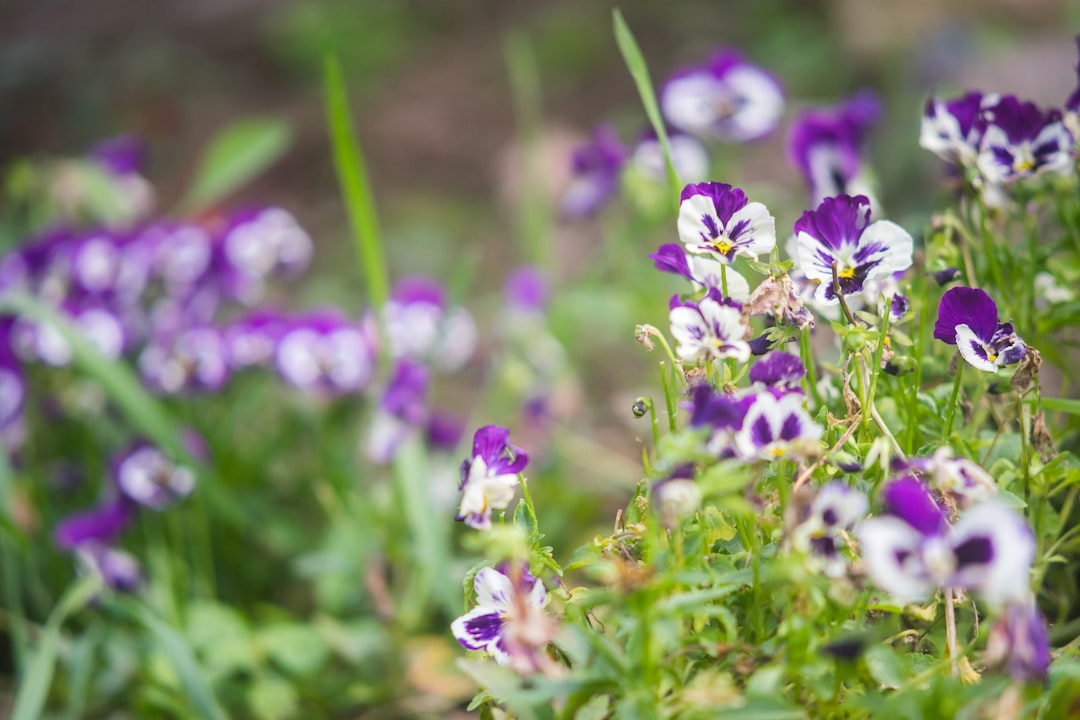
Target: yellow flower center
847 273
723 245
1024 165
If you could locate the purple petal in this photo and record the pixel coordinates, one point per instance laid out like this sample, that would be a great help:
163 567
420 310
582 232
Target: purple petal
726 200
909 499
101 524
837 222
671 258
966 306
527 289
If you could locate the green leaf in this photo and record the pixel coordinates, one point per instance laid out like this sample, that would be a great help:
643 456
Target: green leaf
296 648
635 62
1064 405
525 519
34 689
355 187
238 154
272 697
173 645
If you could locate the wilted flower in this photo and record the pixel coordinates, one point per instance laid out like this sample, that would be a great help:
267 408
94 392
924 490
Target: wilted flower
716 219
839 233
145 475
728 99
778 427
826 145
711 329
508 621
490 476
327 354
913 550
968 318
596 169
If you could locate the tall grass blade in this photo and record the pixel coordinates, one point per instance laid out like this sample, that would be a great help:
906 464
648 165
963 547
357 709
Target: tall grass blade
635 63
355 187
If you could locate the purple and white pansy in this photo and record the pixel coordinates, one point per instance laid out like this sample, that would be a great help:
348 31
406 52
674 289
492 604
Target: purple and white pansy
827 146
419 326
489 476
703 272
146 476
722 414
912 551
960 479
718 220
596 167
1023 141
117 569
12 378
711 329
727 99
325 353
839 234
195 358
968 318
1019 642
953 129
779 371
821 536
500 601
402 411
257 244
777 427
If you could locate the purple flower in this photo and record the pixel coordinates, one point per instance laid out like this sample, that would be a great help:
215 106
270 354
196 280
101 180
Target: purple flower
325 353
251 340
1072 104
959 478
778 427
257 244
826 145
101 524
705 273
490 476
913 551
712 329
839 232
953 129
688 155
596 169
420 327
180 254
192 359
1019 641
780 371
147 477
716 219
1022 141
968 318
12 378
118 569
526 289
946 276
500 603
835 511
728 99
401 412
444 430
97 325
109 266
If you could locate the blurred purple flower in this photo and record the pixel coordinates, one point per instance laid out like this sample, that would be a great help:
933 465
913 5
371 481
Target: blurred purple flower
257 244
596 169
193 359
146 476
327 354
489 476
1019 641
402 411
250 341
711 329
1022 141
526 289
688 156
102 524
420 327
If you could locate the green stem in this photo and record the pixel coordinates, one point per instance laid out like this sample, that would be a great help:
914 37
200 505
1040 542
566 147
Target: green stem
810 383
723 279
669 396
952 401
875 370
989 247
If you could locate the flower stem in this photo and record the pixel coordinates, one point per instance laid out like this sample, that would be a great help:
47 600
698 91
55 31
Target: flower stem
952 402
950 628
840 296
723 279
810 381
669 396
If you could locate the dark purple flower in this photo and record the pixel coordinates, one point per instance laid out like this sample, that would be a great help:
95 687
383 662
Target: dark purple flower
688 156
826 145
911 501
779 370
839 232
778 427
146 476
596 169
946 276
490 476
1019 641
326 353
526 289
1022 141
898 307
727 98
968 318
101 524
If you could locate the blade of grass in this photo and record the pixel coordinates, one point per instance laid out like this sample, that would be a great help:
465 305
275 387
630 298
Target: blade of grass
355 188
175 647
34 689
236 155
1064 405
635 63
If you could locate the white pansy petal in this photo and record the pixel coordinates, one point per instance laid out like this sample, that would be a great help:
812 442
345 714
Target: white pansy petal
693 231
760 228
994 550
493 589
707 274
889 244
972 349
890 555
478 629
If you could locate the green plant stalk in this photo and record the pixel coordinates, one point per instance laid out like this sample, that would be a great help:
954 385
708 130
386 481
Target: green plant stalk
723 279
34 688
524 77
669 396
635 63
875 369
355 186
953 402
810 383
920 343
989 246
1025 456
